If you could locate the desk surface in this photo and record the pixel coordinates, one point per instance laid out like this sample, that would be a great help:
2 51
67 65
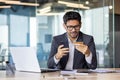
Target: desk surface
58 76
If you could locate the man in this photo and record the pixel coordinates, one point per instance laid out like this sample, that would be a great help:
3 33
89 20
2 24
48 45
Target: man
73 49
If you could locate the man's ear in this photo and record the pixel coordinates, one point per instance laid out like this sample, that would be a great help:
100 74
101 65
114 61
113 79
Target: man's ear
80 24
64 26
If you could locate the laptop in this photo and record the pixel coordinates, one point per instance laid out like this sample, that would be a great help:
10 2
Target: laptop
25 59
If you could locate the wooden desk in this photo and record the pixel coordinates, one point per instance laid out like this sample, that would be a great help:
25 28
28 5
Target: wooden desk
58 76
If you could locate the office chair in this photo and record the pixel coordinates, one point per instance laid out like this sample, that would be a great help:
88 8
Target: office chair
2 58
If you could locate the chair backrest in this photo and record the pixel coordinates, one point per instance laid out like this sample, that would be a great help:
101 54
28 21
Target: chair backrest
2 55
3 52
0 47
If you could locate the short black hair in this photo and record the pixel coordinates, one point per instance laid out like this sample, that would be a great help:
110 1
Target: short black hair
71 15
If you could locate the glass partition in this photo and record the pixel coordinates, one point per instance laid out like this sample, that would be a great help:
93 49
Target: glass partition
17 27
97 20
33 23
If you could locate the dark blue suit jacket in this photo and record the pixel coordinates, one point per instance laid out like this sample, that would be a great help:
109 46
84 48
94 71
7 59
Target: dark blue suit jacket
79 61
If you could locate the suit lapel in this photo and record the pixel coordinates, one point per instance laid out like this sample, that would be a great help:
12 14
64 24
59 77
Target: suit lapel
66 45
75 60
80 37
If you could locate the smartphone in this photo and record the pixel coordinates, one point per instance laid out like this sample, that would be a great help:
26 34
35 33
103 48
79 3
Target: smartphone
63 43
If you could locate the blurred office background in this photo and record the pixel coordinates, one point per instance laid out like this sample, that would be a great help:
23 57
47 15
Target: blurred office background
33 23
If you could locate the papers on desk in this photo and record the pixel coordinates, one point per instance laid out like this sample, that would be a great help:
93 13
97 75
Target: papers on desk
97 71
86 71
68 72
72 72
103 71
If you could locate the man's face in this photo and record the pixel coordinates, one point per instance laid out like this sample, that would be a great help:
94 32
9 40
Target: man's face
72 27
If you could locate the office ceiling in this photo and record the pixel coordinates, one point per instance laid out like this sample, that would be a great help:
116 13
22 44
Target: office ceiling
41 2
57 4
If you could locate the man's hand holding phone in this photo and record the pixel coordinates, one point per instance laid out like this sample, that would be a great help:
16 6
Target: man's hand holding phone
61 52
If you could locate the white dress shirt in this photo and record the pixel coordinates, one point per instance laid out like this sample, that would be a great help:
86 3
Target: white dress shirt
69 65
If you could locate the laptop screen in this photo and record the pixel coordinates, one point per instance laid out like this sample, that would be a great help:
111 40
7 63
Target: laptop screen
25 59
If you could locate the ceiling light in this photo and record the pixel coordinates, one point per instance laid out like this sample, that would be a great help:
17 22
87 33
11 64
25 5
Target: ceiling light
44 10
87 2
110 7
51 14
74 5
5 6
19 3
5 1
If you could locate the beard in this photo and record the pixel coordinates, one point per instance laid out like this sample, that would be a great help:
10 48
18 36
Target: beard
73 34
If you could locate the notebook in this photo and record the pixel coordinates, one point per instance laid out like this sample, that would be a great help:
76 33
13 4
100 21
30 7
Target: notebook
25 59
